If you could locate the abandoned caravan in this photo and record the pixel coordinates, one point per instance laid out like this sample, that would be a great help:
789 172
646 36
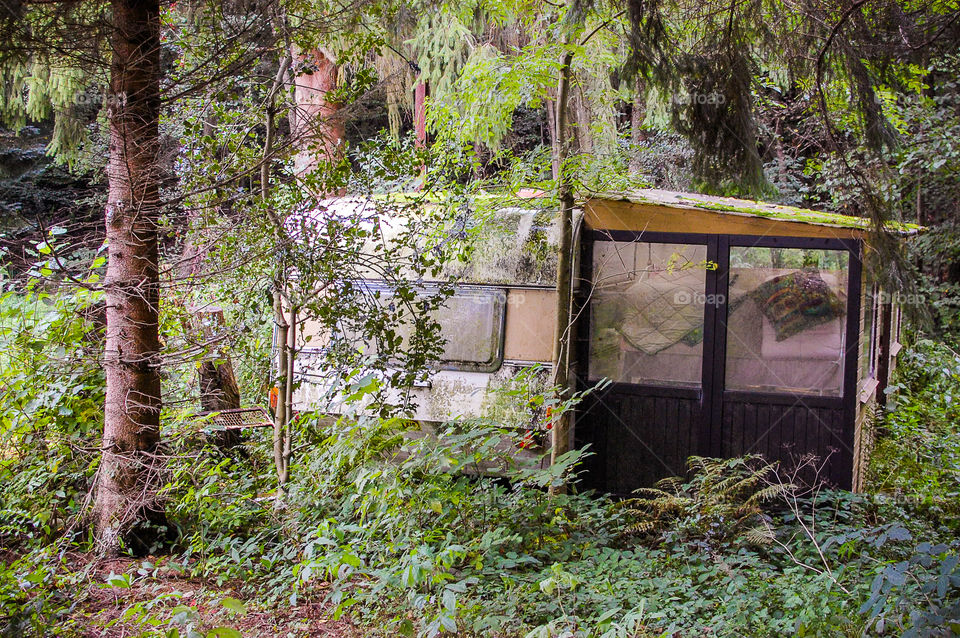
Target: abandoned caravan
722 326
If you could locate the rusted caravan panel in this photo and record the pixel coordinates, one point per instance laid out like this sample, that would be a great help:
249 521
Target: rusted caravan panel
531 324
499 321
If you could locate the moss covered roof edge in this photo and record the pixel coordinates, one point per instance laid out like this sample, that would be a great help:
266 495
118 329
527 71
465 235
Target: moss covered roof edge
748 208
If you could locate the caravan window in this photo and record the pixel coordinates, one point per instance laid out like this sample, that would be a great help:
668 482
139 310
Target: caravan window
647 311
471 325
471 321
786 320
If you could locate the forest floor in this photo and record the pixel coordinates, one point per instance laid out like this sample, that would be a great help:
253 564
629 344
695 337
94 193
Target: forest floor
112 605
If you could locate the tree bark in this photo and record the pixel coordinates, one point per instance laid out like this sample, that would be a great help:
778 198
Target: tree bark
561 352
315 123
126 486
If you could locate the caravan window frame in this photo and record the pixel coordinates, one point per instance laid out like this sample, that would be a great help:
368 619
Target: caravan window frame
718 288
496 294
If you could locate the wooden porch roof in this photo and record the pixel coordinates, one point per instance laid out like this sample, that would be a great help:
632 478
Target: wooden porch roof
656 210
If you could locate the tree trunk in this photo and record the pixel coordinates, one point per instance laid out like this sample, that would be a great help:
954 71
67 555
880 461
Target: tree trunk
552 128
282 330
637 135
218 384
317 129
281 433
126 487
561 352
420 92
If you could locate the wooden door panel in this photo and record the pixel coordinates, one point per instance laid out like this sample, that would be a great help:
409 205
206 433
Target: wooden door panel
784 432
636 439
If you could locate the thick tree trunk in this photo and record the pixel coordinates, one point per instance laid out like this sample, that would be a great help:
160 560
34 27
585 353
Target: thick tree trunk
128 471
316 126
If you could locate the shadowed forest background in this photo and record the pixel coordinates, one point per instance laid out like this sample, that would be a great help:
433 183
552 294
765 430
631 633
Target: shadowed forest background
163 167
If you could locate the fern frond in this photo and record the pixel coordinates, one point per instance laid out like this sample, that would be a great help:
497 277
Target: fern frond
770 493
758 535
671 483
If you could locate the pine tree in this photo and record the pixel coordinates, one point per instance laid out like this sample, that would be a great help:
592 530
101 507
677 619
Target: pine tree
51 65
131 429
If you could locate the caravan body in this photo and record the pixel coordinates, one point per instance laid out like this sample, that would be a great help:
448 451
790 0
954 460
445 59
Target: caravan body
499 321
726 327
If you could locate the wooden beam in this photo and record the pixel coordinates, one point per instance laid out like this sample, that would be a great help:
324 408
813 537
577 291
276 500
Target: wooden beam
622 215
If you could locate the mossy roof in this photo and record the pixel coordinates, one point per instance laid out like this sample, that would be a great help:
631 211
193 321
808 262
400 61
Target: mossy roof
512 245
748 208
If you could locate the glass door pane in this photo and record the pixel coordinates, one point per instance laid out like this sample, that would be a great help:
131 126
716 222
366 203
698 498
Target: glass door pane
785 320
647 312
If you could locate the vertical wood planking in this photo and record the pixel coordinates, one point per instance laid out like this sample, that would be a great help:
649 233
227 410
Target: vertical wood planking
750 427
645 438
659 429
684 432
638 439
673 450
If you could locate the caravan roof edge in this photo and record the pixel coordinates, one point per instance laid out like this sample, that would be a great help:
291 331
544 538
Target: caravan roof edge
712 213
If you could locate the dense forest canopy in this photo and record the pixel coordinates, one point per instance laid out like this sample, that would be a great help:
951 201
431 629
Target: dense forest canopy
181 183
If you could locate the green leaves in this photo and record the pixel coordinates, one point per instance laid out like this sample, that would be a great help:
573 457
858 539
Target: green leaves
51 398
234 605
122 581
921 456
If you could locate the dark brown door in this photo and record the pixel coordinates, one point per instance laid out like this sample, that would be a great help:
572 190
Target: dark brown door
649 331
786 349
716 346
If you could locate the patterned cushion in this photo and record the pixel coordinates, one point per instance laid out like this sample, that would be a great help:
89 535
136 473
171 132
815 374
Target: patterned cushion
660 313
798 301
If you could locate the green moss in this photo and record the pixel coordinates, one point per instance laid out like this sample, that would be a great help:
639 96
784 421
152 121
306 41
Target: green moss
769 211
510 248
514 396
545 208
484 200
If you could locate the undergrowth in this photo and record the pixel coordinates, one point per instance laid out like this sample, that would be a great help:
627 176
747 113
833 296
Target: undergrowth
412 540
918 453
408 537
